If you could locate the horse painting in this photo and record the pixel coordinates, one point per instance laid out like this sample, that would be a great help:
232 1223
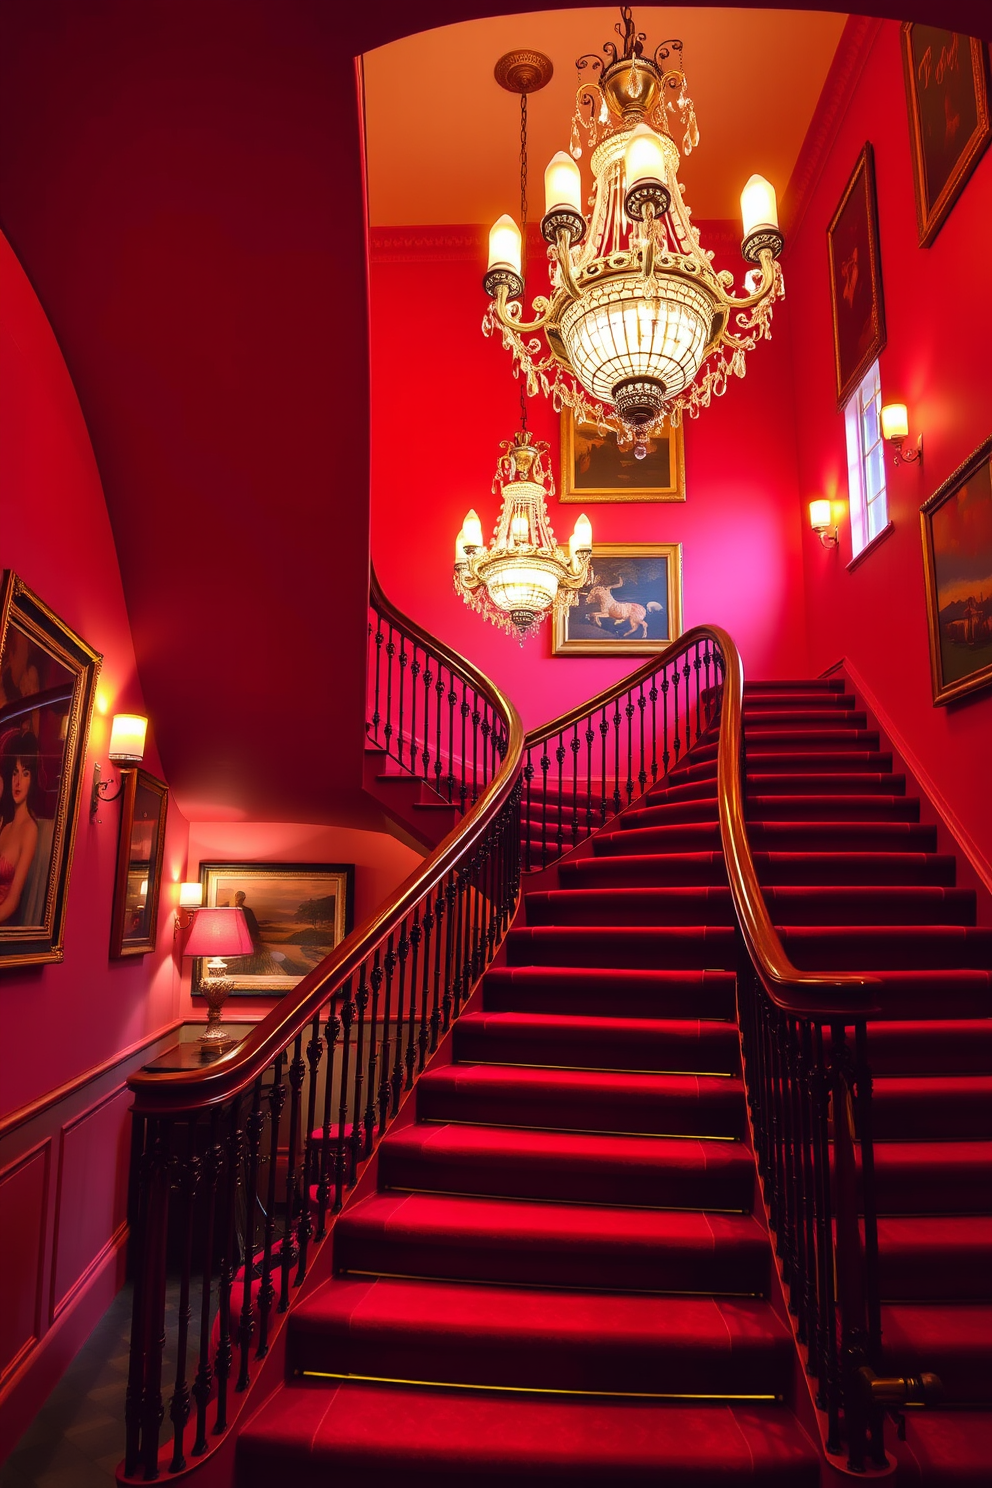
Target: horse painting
608 608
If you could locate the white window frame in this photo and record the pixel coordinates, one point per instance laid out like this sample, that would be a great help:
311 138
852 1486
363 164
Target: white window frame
869 502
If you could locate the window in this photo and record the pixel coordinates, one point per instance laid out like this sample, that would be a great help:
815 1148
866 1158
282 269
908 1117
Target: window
866 461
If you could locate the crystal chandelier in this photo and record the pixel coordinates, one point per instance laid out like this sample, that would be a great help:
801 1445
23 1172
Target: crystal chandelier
523 575
638 326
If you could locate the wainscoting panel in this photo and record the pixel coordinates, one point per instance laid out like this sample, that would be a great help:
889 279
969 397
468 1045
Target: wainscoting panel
23 1205
91 1194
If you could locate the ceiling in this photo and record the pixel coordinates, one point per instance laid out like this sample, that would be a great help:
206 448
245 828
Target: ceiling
442 135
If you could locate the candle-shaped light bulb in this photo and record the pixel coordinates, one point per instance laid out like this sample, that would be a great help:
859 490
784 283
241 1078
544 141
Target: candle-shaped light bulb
504 245
562 184
460 554
644 157
759 207
472 530
520 529
583 533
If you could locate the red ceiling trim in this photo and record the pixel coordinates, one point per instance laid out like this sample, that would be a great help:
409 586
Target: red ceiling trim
856 41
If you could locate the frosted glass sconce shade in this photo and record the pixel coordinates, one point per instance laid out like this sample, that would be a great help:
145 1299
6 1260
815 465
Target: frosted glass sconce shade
127 739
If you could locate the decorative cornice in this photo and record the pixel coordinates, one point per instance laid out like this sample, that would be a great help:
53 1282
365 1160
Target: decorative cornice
437 242
856 41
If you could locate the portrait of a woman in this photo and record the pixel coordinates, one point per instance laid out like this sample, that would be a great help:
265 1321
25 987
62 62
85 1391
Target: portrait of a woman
19 800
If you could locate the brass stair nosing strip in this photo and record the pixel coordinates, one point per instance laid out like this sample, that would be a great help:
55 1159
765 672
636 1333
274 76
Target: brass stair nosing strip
596 1069
460 1193
376 1379
545 1286
575 1131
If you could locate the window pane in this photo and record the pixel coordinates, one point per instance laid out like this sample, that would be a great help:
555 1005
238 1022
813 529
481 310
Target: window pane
875 472
870 422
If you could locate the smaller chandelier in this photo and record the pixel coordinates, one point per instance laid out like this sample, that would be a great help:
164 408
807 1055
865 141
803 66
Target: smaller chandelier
523 575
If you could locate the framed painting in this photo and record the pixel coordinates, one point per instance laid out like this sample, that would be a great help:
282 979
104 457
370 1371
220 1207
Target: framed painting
47 682
140 847
957 561
296 913
631 606
594 469
856 278
947 95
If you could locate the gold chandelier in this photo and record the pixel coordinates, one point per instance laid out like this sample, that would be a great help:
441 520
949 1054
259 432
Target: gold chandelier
638 326
523 575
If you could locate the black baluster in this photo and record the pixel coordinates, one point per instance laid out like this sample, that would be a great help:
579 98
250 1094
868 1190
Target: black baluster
574 747
400 736
328 1163
267 1288
653 696
414 745
376 715
438 942
357 1113
389 963
416 936
428 681
449 908
297 1072
344 1157
203 1385
665 753
224 1356
246 1325
390 653
305 1228
371 1089
402 952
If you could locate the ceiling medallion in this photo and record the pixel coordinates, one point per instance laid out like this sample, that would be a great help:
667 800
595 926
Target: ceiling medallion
638 326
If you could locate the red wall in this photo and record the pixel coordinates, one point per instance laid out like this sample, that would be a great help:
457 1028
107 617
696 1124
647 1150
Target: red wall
63 1171
935 361
443 397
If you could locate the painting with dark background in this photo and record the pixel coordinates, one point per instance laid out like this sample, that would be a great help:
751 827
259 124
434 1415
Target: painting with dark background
947 97
856 278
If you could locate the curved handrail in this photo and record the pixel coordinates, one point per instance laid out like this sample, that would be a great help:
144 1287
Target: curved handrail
190 1091
806 994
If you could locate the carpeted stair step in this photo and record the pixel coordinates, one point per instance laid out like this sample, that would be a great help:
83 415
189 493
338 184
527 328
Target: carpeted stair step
620 992
597 1042
561 1245
358 1435
924 1258
838 782
933 1106
774 836
951 1340
542 1340
949 1448
804 741
773 868
669 794
933 1177
934 1047
670 948
584 1100
889 947
770 713
801 686
801 810
574 1167
797 701
958 992
826 764
789 904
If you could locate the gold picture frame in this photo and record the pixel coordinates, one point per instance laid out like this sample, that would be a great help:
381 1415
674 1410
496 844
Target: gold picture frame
140 852
957 559
594 469
47 684
946 79
651 573
856 278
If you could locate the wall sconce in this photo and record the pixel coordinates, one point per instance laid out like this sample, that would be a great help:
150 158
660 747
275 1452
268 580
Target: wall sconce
822 522
190 899
895 428
127 747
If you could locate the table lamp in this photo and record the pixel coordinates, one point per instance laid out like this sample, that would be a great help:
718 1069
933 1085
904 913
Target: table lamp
215 934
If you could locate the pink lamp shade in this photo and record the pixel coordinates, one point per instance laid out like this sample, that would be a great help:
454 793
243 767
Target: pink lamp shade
219 932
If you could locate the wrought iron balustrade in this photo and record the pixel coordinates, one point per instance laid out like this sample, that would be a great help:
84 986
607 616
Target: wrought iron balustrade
243 1163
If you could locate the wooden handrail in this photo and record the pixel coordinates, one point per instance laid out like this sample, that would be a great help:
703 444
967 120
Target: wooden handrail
190 1091
806 994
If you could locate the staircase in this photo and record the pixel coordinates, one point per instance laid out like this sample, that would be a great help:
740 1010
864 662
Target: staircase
562 1275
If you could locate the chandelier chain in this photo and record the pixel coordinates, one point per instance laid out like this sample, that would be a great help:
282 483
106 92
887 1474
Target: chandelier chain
523 230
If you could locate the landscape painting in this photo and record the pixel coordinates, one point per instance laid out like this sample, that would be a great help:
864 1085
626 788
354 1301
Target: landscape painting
631 606
296 914
957 550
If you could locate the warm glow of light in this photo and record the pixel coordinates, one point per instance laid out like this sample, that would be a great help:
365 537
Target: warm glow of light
143 889
520 528
522 587
581 538
504 244
644 158
102 701
820 515
460 554
895 421
562 184
759 206
127 738
190 895
219 932
472 530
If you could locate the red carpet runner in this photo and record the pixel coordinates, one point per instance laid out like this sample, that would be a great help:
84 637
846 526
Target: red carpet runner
560 1278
